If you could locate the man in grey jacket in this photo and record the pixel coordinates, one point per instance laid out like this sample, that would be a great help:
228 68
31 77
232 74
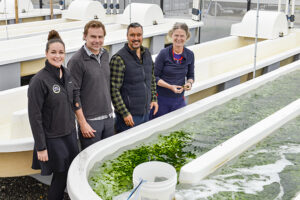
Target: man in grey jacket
89 67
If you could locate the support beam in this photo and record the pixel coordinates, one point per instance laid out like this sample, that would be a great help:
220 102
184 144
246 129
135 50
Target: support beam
229 84
51 9
271 67
114 48
157 44
191 41
297 57
10 76
16 11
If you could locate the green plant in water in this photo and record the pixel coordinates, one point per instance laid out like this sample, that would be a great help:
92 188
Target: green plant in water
114 176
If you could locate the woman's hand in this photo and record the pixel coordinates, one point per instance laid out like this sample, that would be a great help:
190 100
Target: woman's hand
43 155
187 86
176 89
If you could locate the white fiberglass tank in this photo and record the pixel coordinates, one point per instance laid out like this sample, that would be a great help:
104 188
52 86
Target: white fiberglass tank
271 25
145 14
85 10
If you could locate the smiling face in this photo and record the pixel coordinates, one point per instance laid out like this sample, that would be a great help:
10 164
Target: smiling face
135 37
56 54
94 39
179 38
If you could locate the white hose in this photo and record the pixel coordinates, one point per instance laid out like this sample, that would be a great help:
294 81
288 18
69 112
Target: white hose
5 14
287 7
129 11
279 5
293 12
118 9
256 36
111 8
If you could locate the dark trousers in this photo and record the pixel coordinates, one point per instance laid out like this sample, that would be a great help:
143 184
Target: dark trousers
58 185
167 104
138 119
104 129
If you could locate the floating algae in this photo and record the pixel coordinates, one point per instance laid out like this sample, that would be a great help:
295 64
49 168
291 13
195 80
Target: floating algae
195 136
269 171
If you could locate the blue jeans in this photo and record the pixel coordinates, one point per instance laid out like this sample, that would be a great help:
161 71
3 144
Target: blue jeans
138 119
167 104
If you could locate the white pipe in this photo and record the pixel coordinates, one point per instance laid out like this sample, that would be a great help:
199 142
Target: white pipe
256 36
293 12
279 5
118 9
111 6
287 7
105 3
129 11
5 14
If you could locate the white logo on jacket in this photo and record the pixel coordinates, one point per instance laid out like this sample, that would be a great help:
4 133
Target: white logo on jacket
56 89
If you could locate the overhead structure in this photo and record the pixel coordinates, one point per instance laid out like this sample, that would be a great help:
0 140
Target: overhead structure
145 14
271 25
8 6
85 10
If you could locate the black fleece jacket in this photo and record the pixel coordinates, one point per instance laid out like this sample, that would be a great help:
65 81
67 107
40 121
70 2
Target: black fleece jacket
50 105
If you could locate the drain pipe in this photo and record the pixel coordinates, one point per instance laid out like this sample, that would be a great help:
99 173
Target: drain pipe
279 5
249 5
129 11
287 5
117 6
105 6
6 28
256 37
111 7
292 17
162 5
197 15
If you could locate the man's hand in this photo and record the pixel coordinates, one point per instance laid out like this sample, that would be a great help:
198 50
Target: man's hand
128 120
86 130
155 105
43 155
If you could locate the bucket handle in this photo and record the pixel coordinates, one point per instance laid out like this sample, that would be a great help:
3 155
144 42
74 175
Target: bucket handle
135 189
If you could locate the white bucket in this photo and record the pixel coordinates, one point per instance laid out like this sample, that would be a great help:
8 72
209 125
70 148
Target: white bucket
160 181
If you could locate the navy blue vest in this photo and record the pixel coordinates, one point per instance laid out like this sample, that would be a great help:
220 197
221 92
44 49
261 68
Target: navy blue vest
136 88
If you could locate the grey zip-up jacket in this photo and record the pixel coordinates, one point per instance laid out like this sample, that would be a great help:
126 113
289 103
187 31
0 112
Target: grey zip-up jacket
92 83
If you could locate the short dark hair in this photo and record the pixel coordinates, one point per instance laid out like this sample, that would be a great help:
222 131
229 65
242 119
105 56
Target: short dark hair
93 24
134 25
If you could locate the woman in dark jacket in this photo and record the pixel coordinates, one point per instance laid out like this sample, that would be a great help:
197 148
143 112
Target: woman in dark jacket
174 71
52 119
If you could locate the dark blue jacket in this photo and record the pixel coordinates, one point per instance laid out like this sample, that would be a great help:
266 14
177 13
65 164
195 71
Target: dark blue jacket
171 72
136 88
